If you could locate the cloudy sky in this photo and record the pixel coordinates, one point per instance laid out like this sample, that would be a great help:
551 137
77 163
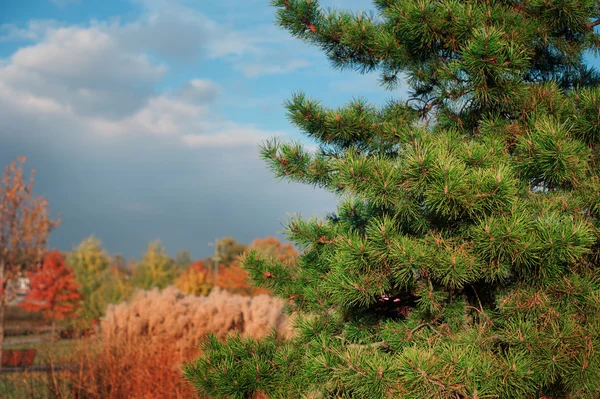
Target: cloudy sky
142 118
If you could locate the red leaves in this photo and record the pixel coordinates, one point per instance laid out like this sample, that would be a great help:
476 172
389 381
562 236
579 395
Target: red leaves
53 289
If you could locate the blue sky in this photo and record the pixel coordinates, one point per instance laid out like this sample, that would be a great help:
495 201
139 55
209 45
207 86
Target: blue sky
142 118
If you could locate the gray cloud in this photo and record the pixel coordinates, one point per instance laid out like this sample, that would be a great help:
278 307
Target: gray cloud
199 91
134 192
119 160
85 70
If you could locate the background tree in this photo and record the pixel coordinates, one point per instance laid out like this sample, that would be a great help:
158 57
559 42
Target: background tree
229 250
116 287
183 259
53 290
90 263
195 280
462 261
24 229
155 269
274 248
123 265
234 278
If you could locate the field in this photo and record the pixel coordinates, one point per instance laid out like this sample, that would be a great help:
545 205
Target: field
51 353
140 347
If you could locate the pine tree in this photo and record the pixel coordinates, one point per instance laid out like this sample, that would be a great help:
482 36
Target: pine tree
54 291
463 259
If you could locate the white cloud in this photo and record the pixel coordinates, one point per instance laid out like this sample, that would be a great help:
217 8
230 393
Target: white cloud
170 29
87 104
231 137
254 70
100 81
85 69
75 55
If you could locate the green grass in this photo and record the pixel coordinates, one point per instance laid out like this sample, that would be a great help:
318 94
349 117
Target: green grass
56 351
26 386
40 385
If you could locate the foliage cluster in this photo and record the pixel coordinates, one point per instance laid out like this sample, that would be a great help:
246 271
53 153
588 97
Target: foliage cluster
53 290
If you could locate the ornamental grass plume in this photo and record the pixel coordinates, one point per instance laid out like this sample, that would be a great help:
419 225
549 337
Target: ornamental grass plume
171 316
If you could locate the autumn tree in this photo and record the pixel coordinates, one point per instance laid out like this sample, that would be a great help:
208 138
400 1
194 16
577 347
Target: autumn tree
272 247
123 265
195 280
155 269
463 259
24 229
116 287
53 289
229 250
90 263
234 278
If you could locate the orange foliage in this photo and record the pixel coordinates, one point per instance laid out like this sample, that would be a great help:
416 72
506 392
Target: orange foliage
53 289
24 224
195 280
234 279
271 246
198 266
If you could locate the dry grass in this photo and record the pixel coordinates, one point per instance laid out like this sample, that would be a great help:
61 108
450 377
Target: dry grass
144 370
143 344
145 341
171 316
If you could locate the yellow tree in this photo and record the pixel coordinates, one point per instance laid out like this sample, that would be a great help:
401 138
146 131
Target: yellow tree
24 229
90 264
195 280
156 269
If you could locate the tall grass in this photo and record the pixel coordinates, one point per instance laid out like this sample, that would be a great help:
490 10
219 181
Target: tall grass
144 343
171 316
